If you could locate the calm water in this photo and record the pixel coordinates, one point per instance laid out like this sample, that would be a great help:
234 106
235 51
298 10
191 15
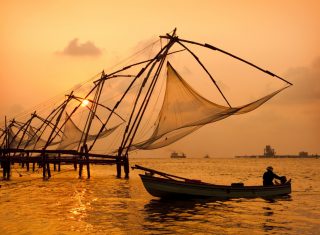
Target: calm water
106 205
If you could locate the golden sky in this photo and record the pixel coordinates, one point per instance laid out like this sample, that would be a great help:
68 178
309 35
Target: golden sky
47 47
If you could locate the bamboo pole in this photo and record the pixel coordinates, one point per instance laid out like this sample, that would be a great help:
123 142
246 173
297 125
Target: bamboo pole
146 100
87 160
235 57
127 90
27 162
205 69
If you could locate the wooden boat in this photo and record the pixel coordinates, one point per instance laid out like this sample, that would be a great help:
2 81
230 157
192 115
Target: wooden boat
170 186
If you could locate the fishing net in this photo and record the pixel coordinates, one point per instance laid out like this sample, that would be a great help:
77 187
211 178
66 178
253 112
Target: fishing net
35 142
185 111
29 140
72 135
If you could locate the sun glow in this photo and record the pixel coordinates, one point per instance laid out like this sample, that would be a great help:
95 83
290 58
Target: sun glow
84 103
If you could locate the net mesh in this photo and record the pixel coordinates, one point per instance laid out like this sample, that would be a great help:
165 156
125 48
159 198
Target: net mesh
185 111
72 135
35 142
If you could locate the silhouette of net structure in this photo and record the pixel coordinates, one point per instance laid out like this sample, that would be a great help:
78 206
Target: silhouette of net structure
184 111
122 111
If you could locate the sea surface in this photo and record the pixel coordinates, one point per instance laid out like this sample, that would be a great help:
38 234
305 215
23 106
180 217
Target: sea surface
106 205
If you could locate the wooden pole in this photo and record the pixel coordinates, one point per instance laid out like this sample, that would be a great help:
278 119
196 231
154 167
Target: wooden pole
9 169
27 162
80 163
48 167
126 92
75 163
146 100
59 162
43 166
54 164
235 57
118 163
87 159
126 166
205 69
7 155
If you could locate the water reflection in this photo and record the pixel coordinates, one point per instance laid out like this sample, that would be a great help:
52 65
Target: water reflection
198 215
275 206
275 199
106 205
164 210
217 217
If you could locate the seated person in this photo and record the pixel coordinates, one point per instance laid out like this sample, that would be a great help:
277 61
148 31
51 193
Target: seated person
269 176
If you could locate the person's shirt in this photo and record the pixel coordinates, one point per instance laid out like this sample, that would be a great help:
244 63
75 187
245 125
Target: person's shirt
268 178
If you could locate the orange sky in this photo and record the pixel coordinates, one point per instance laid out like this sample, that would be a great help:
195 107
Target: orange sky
39 59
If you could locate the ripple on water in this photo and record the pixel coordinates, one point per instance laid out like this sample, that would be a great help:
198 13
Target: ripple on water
104 204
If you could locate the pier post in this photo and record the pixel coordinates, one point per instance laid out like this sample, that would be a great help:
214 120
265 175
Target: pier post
75 166
80 167
43 166
81 162
27 162
118 163
87 160
3 165
8 168
48 167
126 166
59 162
54 164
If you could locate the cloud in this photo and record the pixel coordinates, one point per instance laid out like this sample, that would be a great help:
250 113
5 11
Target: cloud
74 48
306 88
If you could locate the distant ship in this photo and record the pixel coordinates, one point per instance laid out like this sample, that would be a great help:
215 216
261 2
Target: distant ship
207 156
177 155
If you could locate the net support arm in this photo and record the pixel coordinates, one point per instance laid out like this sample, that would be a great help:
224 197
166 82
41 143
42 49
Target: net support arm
235 57
205 69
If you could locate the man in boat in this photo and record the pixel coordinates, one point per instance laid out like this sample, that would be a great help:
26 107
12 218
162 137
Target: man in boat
269 176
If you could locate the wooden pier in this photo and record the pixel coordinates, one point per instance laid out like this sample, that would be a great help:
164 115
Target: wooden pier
55 158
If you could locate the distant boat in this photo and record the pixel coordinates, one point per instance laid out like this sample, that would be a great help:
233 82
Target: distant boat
171 186
177 155
207 156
